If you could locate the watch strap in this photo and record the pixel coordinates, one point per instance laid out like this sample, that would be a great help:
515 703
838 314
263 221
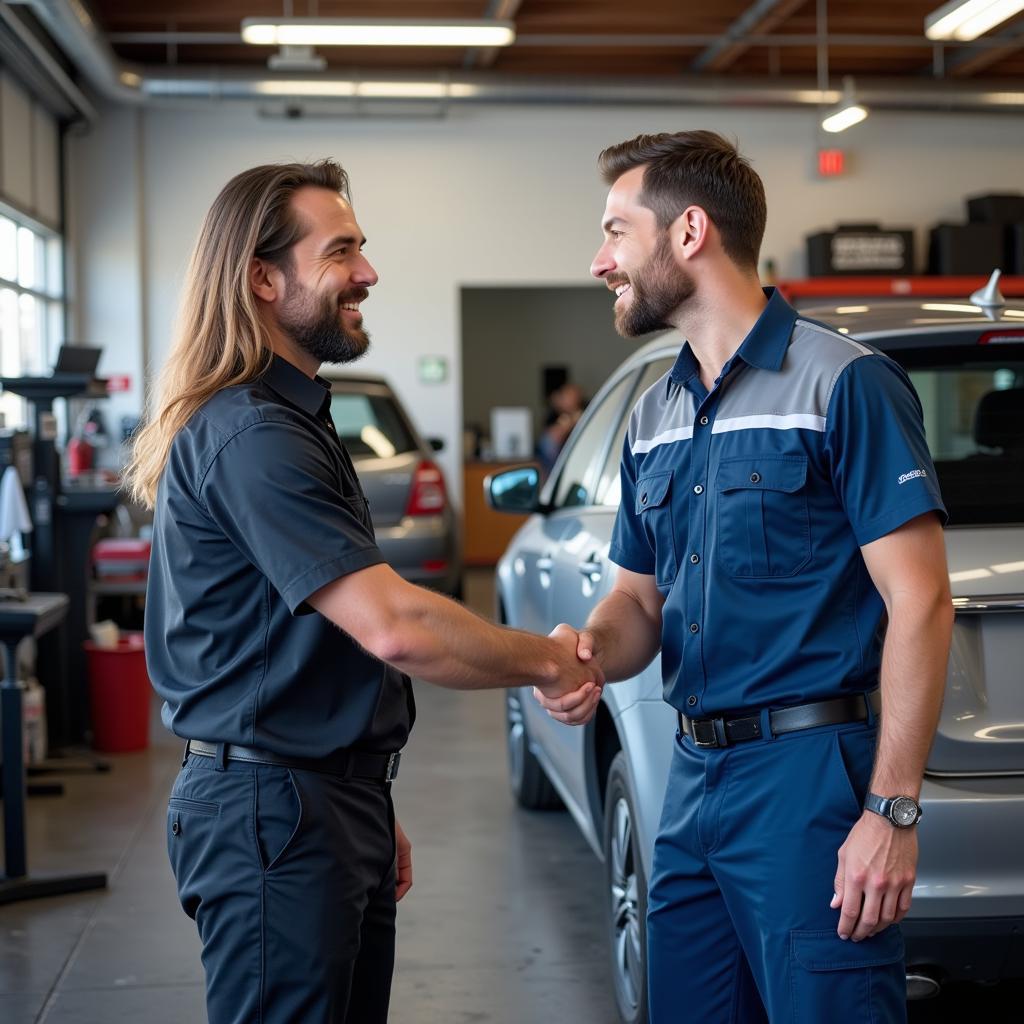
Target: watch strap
883 805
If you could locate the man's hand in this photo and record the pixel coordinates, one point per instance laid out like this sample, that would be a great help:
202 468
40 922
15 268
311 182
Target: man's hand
403 863
875 878
577 706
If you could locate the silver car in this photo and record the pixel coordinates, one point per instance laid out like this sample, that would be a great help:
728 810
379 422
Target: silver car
968 910
416 527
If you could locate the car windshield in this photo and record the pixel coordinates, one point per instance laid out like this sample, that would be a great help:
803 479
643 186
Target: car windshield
973 401
369 425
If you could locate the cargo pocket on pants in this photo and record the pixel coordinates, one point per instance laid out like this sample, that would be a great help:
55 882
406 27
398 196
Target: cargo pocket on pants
833 980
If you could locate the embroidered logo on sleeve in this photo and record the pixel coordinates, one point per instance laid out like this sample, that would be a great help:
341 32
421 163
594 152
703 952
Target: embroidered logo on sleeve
912 475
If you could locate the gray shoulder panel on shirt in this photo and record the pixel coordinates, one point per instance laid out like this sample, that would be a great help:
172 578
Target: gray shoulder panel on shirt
795 397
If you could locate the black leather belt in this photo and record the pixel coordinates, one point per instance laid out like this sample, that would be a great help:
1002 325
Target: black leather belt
723 732
349 764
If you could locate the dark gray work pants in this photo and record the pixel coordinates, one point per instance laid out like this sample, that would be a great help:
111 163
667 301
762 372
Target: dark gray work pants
290 878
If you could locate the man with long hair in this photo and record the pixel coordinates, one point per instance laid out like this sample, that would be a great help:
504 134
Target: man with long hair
279 640
778 499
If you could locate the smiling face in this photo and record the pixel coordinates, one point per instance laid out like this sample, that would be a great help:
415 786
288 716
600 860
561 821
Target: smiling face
637 262
326 279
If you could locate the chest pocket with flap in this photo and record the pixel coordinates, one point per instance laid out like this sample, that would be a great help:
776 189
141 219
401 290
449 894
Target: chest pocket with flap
763 521
654 506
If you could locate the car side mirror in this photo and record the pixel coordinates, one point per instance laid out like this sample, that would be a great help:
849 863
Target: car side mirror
436 443
514 490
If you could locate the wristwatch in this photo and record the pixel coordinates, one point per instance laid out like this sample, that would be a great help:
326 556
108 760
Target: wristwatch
900 811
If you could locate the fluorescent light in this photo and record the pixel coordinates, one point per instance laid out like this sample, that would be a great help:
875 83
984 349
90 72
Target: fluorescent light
304 87
333 88
847 111
416 90
967 19
852 309
376 32
844 117
949 307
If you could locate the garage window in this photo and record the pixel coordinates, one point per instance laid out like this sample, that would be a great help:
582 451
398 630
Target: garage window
31 304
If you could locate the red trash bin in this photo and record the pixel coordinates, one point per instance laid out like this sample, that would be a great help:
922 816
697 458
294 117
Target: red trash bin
119 695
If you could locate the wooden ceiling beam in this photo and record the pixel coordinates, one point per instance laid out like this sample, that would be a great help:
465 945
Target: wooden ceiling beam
970 61
500 10
763 17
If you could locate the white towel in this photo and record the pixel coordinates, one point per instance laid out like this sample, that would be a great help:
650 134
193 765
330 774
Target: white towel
14 517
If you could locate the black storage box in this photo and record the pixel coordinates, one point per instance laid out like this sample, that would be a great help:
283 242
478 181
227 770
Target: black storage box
966 248
860 249
996 209
1015 248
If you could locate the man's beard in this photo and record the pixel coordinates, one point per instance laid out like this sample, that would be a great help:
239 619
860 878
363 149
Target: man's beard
314 324
659 288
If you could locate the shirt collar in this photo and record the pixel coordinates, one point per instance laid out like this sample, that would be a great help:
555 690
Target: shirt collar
295 387
764 347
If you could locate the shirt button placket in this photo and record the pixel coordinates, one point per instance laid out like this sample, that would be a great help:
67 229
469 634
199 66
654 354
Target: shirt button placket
694 590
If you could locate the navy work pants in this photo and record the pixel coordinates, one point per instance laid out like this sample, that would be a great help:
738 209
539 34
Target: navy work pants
739 928
290 878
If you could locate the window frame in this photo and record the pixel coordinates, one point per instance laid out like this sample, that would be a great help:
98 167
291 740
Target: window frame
49 294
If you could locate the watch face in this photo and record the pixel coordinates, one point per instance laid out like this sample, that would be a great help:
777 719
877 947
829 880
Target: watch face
904 811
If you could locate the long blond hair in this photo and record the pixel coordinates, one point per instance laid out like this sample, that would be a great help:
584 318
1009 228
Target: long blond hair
220 339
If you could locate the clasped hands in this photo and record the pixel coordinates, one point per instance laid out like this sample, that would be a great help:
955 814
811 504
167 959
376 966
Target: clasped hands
574 696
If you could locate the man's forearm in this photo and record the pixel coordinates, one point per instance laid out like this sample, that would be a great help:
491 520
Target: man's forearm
914 659
440 641
626 637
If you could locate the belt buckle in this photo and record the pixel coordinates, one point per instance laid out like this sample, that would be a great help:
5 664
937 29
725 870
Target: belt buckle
703 732
391 772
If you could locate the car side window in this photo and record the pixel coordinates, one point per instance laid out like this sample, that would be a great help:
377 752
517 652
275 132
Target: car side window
609 485
587 448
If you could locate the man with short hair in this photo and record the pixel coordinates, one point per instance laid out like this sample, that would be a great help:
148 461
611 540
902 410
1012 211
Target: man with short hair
279 640
779 504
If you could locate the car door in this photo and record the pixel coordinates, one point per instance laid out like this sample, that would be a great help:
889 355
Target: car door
582 573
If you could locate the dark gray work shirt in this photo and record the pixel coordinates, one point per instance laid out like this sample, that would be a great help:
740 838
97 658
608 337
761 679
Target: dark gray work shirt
258 508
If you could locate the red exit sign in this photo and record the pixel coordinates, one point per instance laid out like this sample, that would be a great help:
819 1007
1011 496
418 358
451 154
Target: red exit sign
119 383
830 162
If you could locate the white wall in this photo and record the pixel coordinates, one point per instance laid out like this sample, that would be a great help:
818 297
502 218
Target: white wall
490 195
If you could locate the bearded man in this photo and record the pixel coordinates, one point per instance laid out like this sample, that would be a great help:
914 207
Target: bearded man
778 498
281 643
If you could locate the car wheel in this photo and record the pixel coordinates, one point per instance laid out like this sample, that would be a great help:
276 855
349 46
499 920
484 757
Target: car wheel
627 897
530 786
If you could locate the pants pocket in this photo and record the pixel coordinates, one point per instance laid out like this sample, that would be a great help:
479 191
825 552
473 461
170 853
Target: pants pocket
191 833
278 815
855 750
837 981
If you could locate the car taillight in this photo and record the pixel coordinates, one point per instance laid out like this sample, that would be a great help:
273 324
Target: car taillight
1004 337
427 495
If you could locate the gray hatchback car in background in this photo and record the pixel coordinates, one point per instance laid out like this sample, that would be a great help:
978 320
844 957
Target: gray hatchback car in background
968 912
416 527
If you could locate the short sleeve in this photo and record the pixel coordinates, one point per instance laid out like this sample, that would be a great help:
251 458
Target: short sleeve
275 493
882 471
630 547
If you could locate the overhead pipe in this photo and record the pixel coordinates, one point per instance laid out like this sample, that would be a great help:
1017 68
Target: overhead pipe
79 36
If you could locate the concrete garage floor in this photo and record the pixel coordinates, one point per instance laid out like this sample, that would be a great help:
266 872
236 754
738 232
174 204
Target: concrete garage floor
503 926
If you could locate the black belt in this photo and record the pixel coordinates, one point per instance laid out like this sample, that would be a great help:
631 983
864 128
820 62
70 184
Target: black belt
722 732
349 764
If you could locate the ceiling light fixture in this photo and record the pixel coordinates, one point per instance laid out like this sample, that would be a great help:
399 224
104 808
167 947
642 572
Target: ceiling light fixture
965 20
847 111
376 32
319 88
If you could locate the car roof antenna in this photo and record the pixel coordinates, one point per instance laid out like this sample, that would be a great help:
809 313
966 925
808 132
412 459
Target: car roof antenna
989 297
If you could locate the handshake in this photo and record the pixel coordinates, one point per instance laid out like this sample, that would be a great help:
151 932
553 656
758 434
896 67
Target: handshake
575 691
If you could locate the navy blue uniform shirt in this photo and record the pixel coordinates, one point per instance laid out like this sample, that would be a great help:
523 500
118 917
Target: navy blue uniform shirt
749 505
258 508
